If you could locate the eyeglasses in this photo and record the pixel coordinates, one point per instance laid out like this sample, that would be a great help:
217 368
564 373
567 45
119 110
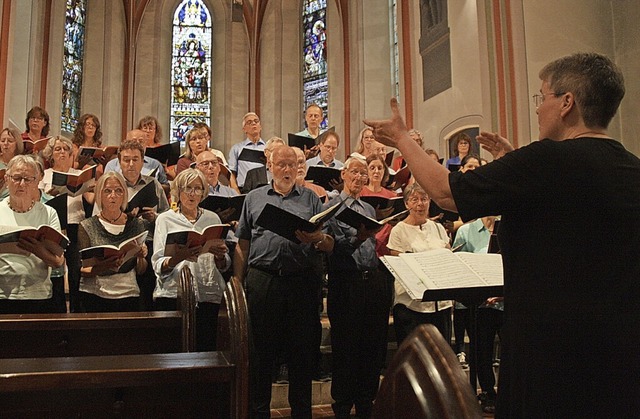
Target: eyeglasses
539 98
37 118
58 149
90 125
416 199
356 173
117 191
206 163
284 166
252 122
193 191
17 179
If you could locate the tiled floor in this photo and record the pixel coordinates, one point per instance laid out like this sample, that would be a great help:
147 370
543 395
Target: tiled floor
324 411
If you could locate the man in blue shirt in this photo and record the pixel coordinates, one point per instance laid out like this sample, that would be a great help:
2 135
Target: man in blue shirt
313 118
150 166
281 296
327 157
358 302
253 141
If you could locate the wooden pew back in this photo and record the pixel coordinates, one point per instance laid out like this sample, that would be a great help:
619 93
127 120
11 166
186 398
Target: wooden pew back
85 334
425 380
198 384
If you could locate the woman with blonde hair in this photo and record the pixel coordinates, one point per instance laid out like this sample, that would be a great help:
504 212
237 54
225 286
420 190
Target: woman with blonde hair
110 285
188 189
365 145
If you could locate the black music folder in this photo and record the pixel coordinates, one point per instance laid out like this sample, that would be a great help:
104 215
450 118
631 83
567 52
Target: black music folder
323 175
166 154
219 204
254 156
285 224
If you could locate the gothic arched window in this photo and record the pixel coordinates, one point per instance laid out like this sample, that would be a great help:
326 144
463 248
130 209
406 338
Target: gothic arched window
314 56
72 67
190 67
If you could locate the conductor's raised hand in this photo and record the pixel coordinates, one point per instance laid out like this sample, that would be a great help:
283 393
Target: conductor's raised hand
495 144
389 131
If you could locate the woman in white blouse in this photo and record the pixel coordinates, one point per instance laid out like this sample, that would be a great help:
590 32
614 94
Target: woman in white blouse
188 189
414 234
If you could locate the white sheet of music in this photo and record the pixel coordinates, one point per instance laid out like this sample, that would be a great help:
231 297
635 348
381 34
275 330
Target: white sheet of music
405 275
442 269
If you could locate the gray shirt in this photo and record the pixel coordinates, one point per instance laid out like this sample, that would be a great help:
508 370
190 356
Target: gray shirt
268 250
349 253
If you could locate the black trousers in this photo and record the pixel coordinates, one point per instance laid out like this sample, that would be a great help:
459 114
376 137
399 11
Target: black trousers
283 311
72 257
91 303
358 306
206 321
489 322
405 320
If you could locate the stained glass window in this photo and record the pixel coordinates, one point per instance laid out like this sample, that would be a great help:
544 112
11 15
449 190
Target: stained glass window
190 68
314 56
72 66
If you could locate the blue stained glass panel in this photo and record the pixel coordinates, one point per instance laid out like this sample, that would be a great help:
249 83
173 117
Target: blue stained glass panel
74 29
314 56
190 68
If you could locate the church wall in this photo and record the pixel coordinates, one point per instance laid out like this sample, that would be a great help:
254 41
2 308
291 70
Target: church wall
555 29
626 15
542 31
280 69
462 104
24 62
103 82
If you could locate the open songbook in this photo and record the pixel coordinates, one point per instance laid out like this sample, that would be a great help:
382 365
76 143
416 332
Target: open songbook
303 142
11 235
99 152
34 147
382 203
126 250
144 198
400 178
355 219
192 238
436 274
285 224
74 184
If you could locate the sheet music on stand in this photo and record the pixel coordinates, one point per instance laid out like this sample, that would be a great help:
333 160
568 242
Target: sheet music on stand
440 274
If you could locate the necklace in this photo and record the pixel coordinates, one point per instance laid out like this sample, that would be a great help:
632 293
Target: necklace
111 221
192 220
19 211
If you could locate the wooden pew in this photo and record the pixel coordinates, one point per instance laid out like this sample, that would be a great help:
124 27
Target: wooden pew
185 384
83 334
425 380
